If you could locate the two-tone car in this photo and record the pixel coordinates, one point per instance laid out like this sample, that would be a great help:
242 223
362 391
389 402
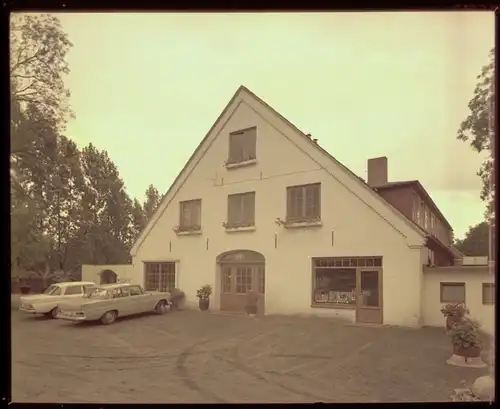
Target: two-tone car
47 302
105 303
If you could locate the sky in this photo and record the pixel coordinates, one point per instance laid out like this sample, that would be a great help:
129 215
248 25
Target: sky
147 88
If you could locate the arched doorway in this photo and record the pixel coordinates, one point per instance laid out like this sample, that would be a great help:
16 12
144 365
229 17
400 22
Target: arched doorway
241 272
108 277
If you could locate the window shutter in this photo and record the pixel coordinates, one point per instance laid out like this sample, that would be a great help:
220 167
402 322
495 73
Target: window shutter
250 139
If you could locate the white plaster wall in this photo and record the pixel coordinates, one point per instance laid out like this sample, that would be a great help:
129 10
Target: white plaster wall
473 279
92 272
358 229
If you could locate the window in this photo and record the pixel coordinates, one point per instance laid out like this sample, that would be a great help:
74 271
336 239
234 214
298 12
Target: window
53 290
88 288
433 223
241 210
414 208
159 276
73 290
190 218
262 280
488 293
304 203
335 286
226 279
118 293
243 279
452 292
135 290
426 219
242 146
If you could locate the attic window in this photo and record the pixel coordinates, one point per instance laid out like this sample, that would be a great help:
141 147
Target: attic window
242 146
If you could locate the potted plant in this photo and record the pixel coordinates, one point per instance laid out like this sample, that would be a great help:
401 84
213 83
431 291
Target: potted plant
454 313
251 303
203 295
465 339
176 296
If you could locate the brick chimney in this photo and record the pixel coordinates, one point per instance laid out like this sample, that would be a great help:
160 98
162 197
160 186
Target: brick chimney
377 171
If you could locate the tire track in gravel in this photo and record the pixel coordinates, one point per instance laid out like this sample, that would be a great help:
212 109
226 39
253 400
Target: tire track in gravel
237 363
187 378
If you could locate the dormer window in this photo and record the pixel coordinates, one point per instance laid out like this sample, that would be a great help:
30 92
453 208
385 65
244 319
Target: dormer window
242 146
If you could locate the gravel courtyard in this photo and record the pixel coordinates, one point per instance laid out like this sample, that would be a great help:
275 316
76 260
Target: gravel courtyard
190 356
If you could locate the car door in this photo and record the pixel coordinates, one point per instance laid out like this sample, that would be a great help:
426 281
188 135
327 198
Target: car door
142 300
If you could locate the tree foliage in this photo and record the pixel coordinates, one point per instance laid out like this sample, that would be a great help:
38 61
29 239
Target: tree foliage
68 206
476 241
478 130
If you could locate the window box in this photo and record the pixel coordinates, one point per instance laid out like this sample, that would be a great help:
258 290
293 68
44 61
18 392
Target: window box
187 231
298 224
242 164
234 229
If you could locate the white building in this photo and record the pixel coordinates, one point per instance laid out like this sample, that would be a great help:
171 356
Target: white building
261 206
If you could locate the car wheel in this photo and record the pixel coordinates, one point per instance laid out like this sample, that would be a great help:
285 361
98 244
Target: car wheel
161 307
53 313
108 318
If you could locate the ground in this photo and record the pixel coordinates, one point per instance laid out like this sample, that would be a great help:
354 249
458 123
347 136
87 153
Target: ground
191 356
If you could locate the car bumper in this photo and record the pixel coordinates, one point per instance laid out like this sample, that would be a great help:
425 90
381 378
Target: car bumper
70 317
28 310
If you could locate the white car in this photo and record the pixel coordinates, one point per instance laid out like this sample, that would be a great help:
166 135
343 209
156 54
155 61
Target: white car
47 302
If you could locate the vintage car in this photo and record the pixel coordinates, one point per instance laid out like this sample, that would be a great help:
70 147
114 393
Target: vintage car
47 302
107 302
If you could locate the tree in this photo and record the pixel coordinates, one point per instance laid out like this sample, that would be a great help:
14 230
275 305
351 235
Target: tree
107 208
153 199
476 241
478 130
138 219
39 99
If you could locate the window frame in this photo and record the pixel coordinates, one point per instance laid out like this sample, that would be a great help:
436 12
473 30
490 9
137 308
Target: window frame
242 197
443 284
191 226
248 146
303 203
484 287
160 276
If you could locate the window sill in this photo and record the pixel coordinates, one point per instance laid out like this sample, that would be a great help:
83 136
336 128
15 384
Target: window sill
299 225
241 164
189 233
239 229
334 306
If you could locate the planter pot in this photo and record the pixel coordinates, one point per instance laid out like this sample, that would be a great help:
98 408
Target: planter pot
471 352
251 309
25 289
204 304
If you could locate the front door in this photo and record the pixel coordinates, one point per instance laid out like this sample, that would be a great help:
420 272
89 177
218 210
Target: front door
236 281
369 299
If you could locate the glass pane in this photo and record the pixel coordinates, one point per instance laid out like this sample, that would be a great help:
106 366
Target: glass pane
335 286
226 279
369 294
243 279
453 293
262 280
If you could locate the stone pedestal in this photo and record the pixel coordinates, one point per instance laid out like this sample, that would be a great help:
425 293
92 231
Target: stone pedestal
466 362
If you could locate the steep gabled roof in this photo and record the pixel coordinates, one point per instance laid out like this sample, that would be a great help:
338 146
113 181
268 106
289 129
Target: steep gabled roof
242 90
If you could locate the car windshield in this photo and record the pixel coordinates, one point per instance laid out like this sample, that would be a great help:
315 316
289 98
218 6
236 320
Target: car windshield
97 293
51 290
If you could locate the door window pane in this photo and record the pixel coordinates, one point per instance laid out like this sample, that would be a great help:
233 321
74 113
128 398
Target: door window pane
369 289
